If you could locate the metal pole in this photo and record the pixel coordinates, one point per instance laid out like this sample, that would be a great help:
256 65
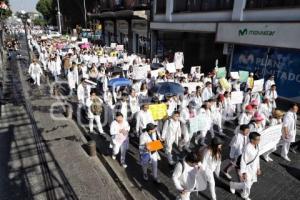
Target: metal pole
85 19
59 17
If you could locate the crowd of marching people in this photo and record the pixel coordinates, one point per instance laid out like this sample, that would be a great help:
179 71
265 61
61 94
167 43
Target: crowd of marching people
90 71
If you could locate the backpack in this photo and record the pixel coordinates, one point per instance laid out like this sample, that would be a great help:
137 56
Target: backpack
96 107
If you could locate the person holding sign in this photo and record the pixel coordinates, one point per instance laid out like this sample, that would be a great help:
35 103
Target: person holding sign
271 94
119 129
147 156
250 81
257 125
249 167
171 134
289 130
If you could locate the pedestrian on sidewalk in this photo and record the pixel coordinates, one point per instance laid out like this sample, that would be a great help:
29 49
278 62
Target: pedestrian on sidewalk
35 71
95 108
148 135
249 167
119 130
289 130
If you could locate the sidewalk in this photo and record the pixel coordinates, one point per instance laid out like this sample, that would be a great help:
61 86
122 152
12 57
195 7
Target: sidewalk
41 158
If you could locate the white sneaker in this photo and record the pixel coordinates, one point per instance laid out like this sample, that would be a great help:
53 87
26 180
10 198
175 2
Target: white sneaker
270 159
113 157
232 190
124 166
227 175
171 162
286 158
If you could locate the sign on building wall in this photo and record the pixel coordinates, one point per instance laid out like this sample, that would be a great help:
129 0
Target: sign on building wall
283 63
265 34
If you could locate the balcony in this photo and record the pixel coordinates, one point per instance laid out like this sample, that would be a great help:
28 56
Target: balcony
202 5
272 4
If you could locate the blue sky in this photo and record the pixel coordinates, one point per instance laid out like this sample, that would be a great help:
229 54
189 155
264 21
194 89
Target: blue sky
27 5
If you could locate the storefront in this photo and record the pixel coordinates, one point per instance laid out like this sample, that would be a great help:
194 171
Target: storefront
122 33
266 49
109 32
141 40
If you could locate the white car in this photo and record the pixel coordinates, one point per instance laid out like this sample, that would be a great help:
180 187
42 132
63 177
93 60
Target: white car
53 34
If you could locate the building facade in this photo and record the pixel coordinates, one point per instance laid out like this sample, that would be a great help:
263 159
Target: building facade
255 35
126 22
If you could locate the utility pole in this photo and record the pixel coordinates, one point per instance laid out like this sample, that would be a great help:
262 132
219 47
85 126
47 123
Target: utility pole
59 17
85 17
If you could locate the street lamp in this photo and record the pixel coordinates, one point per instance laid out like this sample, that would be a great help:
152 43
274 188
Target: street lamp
25 19
59 16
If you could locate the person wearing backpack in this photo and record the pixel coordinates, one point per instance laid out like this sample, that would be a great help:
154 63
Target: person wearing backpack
95 108
185 175
249 167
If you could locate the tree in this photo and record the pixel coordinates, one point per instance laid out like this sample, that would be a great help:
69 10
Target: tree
47 9
5 11
39 21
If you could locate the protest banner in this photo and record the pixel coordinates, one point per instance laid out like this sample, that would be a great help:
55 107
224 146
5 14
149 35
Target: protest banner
113 45
237 97
258 85
224 83
195 69
171 67
139 73
198 123
158 111
120 48
221 73
269 138
244 76
120 138
234 75
191 86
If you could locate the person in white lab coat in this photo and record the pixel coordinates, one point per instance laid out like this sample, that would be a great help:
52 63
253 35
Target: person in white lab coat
171 134
143 118
269 83
95 108
212 163
271 94
83 92
72 78
205 110
237 146
207 92
246 116
148 135
257 125
247 98
186 173
35 71
43 59
249 167
289 130
119 130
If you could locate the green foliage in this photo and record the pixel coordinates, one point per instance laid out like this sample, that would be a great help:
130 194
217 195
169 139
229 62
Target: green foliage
39 21
46 8
5 13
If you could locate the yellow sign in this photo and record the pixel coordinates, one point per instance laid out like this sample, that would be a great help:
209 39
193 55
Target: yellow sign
224 83
158 111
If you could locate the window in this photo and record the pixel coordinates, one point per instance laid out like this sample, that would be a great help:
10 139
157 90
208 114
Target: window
202 5
253 4
142 45
160 6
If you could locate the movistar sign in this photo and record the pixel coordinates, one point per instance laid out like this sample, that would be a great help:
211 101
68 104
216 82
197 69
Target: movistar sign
245 31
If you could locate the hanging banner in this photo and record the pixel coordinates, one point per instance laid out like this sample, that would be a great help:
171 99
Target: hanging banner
282 63
221 73
237 97
258 86
158 111
269 138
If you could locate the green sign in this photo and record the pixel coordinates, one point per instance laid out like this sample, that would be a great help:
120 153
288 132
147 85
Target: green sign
221 73
244 76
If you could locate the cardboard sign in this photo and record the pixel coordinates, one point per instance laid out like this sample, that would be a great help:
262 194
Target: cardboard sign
224 83
244 76
198 123
171 67
158 111
192 86
237 97
221 73
269 138
258 86
235 75
139 73
120 138
120 48
154 146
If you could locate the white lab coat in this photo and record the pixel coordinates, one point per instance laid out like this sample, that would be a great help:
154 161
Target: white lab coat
272 96
245 118
35 72
247 156
144 140
237 145
83 94
207 94
171 133
268 84
142 119
73 78
134 104
254 127
247 100
289 121
115 129
266 111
